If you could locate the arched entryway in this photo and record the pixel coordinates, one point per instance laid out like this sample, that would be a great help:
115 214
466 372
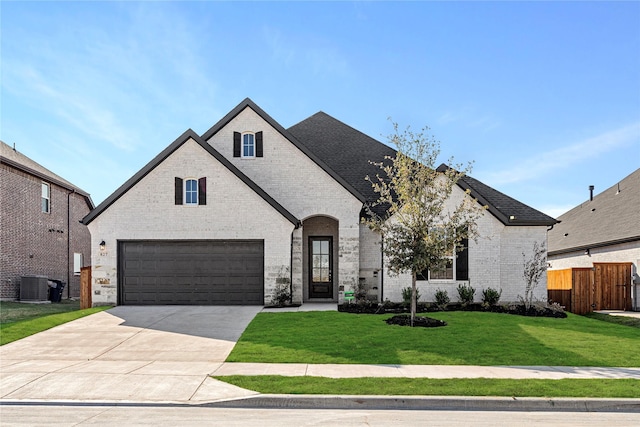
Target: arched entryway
320 241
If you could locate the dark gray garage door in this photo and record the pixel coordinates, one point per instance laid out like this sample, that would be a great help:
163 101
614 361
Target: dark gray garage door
212 272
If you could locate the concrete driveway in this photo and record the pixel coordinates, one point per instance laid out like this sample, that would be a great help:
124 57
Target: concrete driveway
128 353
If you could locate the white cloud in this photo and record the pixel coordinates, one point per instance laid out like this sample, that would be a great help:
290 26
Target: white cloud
555 211
469 118
564 157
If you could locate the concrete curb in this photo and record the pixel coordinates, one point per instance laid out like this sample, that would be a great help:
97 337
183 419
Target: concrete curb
335 402
433 403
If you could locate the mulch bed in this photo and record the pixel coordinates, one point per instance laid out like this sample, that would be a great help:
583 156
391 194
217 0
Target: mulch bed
369 307
418 321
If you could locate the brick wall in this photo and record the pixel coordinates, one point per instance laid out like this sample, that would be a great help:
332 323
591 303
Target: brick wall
36 243
148 211
495 260
300 185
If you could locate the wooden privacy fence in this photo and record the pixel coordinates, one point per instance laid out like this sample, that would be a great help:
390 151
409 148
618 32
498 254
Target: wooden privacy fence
85 288
605 286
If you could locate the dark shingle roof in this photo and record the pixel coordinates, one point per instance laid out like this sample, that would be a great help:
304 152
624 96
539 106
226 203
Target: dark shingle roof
344 149
16 159
613 216
248 103
507 209
348 152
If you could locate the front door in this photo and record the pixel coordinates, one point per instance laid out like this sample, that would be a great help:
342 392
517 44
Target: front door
320 267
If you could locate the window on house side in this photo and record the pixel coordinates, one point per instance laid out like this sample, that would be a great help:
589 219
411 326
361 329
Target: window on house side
191 192
456 267
77 263
248 145
46 198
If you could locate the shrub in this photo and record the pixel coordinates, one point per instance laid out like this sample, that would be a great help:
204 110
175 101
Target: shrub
490 297
466 294
360 291
282 292
442 299
406 296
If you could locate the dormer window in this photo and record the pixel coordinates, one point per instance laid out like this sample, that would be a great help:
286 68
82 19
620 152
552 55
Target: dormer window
190 191
247 145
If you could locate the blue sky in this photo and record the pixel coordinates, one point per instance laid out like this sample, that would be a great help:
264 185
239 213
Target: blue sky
544 97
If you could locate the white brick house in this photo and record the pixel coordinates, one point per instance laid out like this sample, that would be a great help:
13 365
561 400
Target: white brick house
221 218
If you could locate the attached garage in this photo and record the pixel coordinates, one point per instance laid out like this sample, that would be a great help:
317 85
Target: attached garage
186 272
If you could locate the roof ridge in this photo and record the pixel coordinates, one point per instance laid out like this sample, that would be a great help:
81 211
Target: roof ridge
168 151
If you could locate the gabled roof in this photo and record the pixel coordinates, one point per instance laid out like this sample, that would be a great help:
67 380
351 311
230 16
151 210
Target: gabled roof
14 158
349 152
344 149
248 103
507 209
612 217
188 134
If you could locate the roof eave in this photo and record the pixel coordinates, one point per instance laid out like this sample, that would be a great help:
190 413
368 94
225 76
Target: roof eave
248 103
188 134
50 179
593 245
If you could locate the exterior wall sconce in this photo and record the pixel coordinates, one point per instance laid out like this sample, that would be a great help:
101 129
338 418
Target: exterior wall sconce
587 252
103 246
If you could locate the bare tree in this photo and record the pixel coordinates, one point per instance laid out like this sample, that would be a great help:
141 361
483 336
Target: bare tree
419 232
534 268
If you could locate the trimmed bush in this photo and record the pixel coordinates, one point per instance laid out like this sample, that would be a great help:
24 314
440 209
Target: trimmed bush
442 299
406 296
490 297
466 294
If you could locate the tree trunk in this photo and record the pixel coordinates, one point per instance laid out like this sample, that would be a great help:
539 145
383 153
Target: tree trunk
414 301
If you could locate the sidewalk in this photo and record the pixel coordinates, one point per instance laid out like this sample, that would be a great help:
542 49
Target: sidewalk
425 371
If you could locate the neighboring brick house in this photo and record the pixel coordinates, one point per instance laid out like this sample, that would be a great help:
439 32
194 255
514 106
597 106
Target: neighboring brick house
40 229
224 217
603 234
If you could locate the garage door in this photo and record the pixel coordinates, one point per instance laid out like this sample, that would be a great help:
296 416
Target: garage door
212 272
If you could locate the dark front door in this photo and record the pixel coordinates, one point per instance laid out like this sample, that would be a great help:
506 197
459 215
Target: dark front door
320 267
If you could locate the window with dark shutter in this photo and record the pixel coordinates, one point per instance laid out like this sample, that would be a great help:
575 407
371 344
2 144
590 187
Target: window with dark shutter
259 144
236 144
202 187
178 192
462 261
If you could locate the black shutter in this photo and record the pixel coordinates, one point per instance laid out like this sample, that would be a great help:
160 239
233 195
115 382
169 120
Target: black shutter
259 144
236 144
462 261
178 191
202 191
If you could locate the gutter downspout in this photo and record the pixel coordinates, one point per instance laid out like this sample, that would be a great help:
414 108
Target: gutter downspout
291 269
69 242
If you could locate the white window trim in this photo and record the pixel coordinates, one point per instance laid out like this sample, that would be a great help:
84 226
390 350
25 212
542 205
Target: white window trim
47 198
184 192
242 145
77 263
453 268
453 257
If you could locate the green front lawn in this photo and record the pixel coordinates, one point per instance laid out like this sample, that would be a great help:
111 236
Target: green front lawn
14 311
471 338
19 320
272 384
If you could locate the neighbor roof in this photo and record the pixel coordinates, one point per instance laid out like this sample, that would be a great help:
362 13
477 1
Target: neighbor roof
16 159
188 134
350 152
612 217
